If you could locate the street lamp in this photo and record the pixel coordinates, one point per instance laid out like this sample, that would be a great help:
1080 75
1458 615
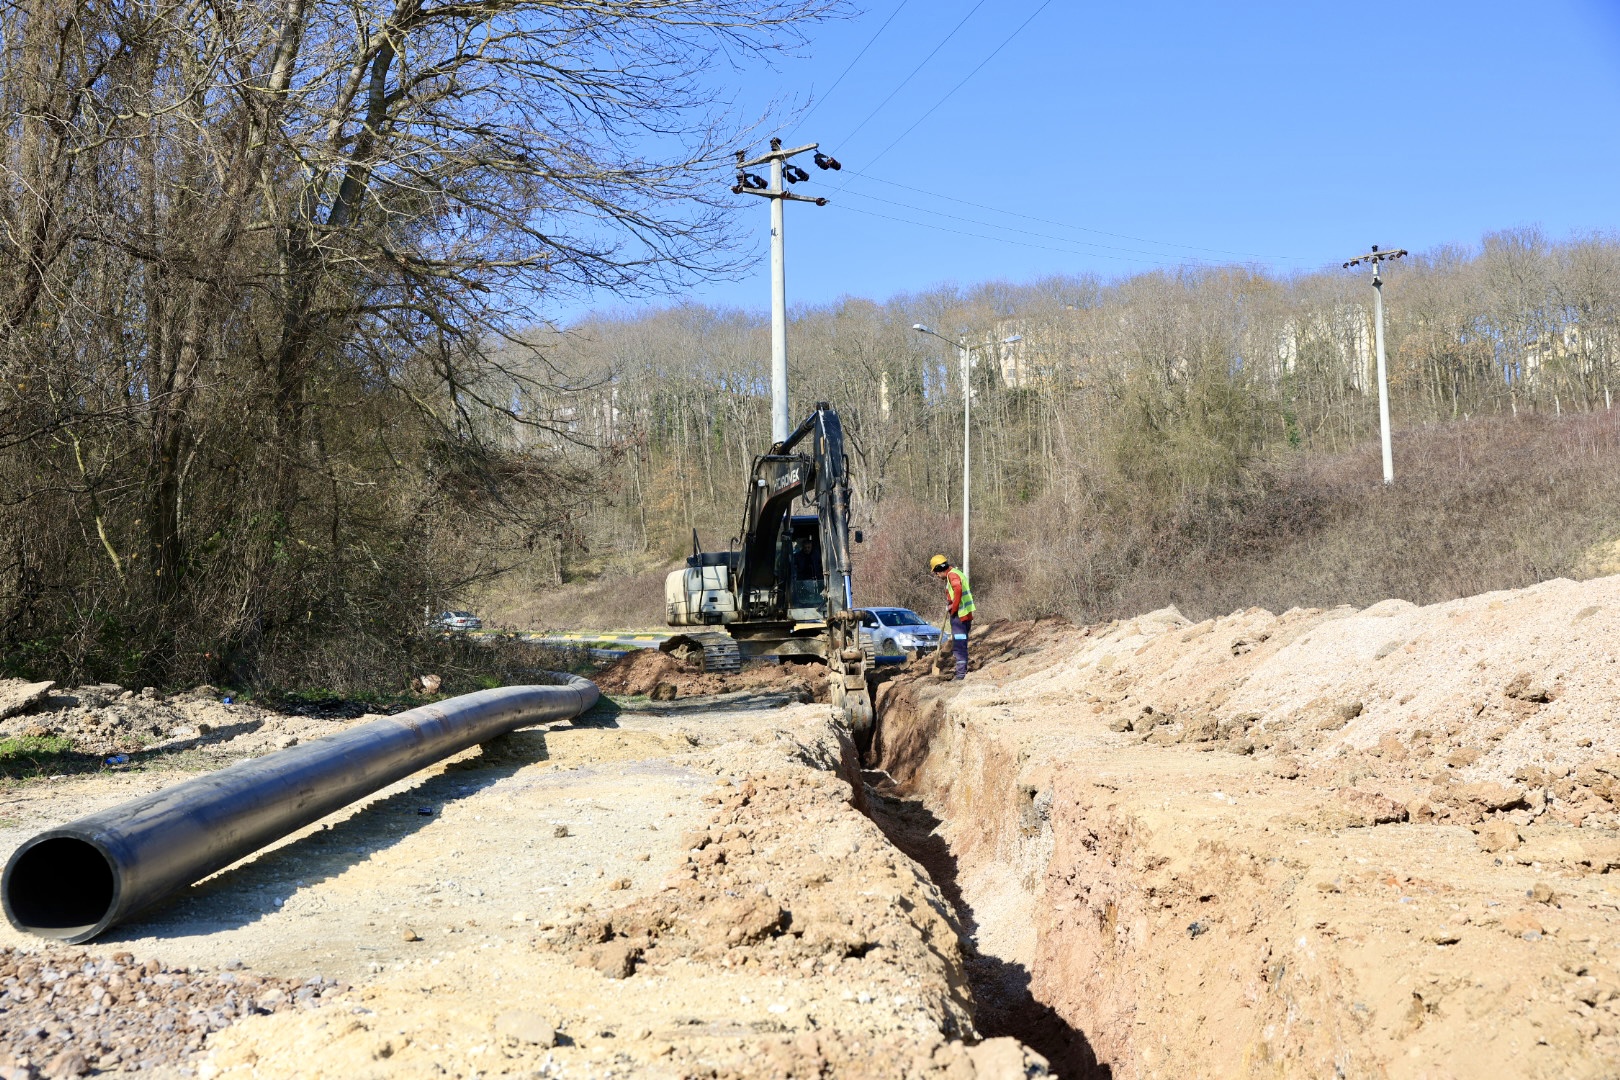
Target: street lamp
966 351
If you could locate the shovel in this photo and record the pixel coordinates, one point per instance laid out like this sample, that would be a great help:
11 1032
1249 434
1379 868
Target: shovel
945 655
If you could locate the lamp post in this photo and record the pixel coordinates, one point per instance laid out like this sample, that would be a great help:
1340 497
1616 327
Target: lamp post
966 352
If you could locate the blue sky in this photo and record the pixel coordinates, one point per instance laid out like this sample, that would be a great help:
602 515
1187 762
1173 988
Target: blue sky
1285 134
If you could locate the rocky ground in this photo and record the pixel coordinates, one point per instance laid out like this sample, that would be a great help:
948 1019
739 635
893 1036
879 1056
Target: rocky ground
73 1013
108 721
692 892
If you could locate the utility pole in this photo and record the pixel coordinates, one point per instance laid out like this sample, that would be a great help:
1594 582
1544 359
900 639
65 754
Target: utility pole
967 448
966 352
1376 257
753 184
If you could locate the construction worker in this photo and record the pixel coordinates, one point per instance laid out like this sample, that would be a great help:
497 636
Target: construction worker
959 595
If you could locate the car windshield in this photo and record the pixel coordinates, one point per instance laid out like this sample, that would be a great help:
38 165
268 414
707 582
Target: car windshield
461 614
901 617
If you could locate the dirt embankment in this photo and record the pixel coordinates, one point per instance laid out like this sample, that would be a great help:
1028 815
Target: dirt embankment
648 672
1363 843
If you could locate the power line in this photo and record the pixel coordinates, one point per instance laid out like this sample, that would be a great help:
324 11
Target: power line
981 236
993 53
851 66
845 141
1010 228
1077 228
1046 221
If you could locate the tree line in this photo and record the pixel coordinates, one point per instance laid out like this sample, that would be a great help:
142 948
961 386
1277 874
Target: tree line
1126 412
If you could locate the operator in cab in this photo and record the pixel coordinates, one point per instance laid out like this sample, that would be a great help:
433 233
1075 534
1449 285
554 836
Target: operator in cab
959 595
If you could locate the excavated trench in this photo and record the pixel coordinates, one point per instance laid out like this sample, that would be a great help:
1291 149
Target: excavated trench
1004 1004
915 794
1147 898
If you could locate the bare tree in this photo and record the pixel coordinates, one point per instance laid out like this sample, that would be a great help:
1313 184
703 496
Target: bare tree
255 261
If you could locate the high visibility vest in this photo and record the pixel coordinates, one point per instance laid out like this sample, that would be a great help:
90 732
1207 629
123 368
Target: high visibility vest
954 579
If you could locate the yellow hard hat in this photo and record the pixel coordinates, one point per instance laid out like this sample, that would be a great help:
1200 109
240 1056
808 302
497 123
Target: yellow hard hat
936 562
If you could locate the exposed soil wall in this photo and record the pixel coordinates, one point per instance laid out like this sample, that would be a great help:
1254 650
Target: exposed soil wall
1401 865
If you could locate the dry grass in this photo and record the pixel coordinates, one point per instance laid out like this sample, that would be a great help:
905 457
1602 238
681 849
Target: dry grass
621 601
1477 506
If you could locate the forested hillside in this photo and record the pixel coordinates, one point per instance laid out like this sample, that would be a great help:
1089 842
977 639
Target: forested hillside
1201 436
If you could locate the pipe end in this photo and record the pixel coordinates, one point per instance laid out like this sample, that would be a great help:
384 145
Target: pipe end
61 887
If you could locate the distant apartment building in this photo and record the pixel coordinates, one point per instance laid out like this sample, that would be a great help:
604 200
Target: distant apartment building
1341 336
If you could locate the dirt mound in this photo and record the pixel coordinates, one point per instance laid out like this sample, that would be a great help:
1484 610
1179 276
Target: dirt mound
639 671
1494 705
1410 826
648 672
103 723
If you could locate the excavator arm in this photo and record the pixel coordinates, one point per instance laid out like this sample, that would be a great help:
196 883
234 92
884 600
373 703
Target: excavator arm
787 570
819 441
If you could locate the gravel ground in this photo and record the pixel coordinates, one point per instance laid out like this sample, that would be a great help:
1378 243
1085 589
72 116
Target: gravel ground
68 1012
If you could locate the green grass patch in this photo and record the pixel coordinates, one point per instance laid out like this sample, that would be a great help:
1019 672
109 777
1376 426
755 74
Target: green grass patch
33 753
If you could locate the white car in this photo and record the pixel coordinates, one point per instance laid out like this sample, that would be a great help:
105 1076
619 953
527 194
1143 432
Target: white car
458 620
897 632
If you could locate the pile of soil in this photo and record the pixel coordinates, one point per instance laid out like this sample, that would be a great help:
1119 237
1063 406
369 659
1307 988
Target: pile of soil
648 672
1486 707
66 1013
105 720
1383 836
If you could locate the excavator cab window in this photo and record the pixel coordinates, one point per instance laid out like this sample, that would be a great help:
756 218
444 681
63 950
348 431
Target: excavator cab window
807 588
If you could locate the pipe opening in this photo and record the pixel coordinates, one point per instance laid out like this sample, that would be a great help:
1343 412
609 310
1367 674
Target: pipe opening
59 888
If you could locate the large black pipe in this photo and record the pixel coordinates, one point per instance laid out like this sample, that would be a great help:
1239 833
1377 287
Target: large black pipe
73 882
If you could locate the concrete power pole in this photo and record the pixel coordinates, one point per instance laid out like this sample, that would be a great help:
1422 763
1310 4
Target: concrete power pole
752 184
966 352
1375 257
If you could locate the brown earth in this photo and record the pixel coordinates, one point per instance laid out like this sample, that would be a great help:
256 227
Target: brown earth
1375 843
646 672
1401 863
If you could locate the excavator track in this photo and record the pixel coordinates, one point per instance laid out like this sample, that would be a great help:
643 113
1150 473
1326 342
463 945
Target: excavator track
721 655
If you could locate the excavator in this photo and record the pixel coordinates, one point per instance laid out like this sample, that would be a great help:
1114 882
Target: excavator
782 589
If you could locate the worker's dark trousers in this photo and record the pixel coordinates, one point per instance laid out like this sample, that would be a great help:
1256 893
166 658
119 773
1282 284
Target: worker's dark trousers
959 636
